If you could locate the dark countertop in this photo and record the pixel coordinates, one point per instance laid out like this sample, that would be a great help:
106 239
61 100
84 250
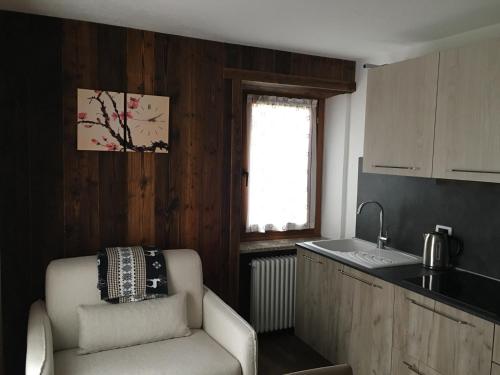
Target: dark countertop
474 294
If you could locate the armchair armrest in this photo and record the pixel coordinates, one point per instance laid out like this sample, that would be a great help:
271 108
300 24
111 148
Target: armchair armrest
39 351
231 331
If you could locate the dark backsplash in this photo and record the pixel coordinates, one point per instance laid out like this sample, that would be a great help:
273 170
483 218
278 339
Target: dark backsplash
414 206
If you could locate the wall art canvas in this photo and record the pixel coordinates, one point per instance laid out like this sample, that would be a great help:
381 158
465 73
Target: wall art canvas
100 120
112 121
147 122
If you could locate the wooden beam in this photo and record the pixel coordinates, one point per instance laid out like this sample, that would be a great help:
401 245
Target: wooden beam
277 80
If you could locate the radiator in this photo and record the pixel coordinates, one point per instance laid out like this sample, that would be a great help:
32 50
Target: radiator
272 304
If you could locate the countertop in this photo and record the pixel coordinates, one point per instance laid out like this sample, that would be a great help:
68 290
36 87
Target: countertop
399 275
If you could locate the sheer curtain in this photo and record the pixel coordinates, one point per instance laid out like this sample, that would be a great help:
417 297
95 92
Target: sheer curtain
282 163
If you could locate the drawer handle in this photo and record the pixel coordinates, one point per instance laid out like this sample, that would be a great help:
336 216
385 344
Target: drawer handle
311 259
395 167
412 368
359 279
473 171
458 321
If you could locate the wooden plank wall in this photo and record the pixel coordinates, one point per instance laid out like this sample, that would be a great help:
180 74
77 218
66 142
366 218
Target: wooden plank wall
60 202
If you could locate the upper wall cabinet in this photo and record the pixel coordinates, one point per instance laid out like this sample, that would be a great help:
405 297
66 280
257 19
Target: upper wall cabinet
400 117
467 143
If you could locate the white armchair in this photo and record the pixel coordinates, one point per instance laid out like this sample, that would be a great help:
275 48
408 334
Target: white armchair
221 341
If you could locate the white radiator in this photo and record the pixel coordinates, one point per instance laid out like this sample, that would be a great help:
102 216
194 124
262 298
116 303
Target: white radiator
272 304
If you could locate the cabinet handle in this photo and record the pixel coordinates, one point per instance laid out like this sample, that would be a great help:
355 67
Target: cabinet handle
412 368
473 171
396 167
359 279
311 259
458 321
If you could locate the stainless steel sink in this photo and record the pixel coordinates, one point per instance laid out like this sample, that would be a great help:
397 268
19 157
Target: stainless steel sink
364 253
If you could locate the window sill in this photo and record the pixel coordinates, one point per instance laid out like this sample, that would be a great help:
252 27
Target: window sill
249 247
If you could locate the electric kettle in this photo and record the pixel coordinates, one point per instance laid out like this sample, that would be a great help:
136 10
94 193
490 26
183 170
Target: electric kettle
437 250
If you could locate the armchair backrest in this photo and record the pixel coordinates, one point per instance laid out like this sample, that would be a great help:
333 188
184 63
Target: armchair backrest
71 282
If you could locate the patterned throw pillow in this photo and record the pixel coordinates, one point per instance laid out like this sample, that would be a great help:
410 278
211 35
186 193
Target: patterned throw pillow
130 274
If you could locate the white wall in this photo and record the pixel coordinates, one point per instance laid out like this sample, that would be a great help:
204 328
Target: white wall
336 155
345 225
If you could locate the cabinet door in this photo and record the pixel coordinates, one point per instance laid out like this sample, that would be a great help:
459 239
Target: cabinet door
315 300
400 117
403 364
461 343
365 319
413 316
308 303
496 347
467 143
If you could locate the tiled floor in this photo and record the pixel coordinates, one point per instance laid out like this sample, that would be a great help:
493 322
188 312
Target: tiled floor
282 352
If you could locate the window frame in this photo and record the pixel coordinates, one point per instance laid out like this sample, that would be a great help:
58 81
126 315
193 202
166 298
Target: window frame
320 116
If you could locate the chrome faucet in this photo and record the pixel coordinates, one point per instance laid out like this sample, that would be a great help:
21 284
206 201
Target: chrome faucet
381 238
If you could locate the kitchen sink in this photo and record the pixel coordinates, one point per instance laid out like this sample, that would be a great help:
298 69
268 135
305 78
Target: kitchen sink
364 253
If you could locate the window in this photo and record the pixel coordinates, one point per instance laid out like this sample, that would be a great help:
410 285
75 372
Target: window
280 185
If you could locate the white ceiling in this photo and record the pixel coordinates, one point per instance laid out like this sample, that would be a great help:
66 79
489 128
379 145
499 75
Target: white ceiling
345 28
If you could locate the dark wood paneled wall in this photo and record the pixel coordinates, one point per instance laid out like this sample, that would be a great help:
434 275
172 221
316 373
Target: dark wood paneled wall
60 202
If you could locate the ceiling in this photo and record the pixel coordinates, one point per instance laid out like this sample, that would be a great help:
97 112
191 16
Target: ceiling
356 29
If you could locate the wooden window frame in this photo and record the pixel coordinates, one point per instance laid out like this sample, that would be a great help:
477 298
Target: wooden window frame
320 123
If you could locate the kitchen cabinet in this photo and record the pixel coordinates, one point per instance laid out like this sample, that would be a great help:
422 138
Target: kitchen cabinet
403 364
496 347
316 300
440 337
400 117
467 138
461 343
413 316
349 316
365 318
344 314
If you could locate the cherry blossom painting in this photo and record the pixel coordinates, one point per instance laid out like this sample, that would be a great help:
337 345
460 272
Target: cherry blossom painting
100 120
112 121
147 122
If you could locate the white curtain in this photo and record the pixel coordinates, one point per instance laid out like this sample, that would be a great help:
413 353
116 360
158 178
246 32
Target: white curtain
282 163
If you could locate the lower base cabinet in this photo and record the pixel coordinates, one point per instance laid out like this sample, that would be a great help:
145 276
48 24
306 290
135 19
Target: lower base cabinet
344 314
379 329
403 364
364 323
442 339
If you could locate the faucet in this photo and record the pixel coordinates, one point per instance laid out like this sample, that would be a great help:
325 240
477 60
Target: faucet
381 238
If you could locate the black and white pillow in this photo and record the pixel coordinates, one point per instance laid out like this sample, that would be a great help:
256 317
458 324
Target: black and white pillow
127 274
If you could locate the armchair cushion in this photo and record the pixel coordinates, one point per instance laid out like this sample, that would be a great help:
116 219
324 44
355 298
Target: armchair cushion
197 354
104 327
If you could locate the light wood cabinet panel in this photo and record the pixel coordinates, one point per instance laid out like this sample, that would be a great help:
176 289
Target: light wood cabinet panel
316 301
441 338
309 305
403 364
495 369
461 343
413 316
400 117
365 318
467 140
496 346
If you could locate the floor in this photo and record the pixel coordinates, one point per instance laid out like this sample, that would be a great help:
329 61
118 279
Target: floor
282 352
